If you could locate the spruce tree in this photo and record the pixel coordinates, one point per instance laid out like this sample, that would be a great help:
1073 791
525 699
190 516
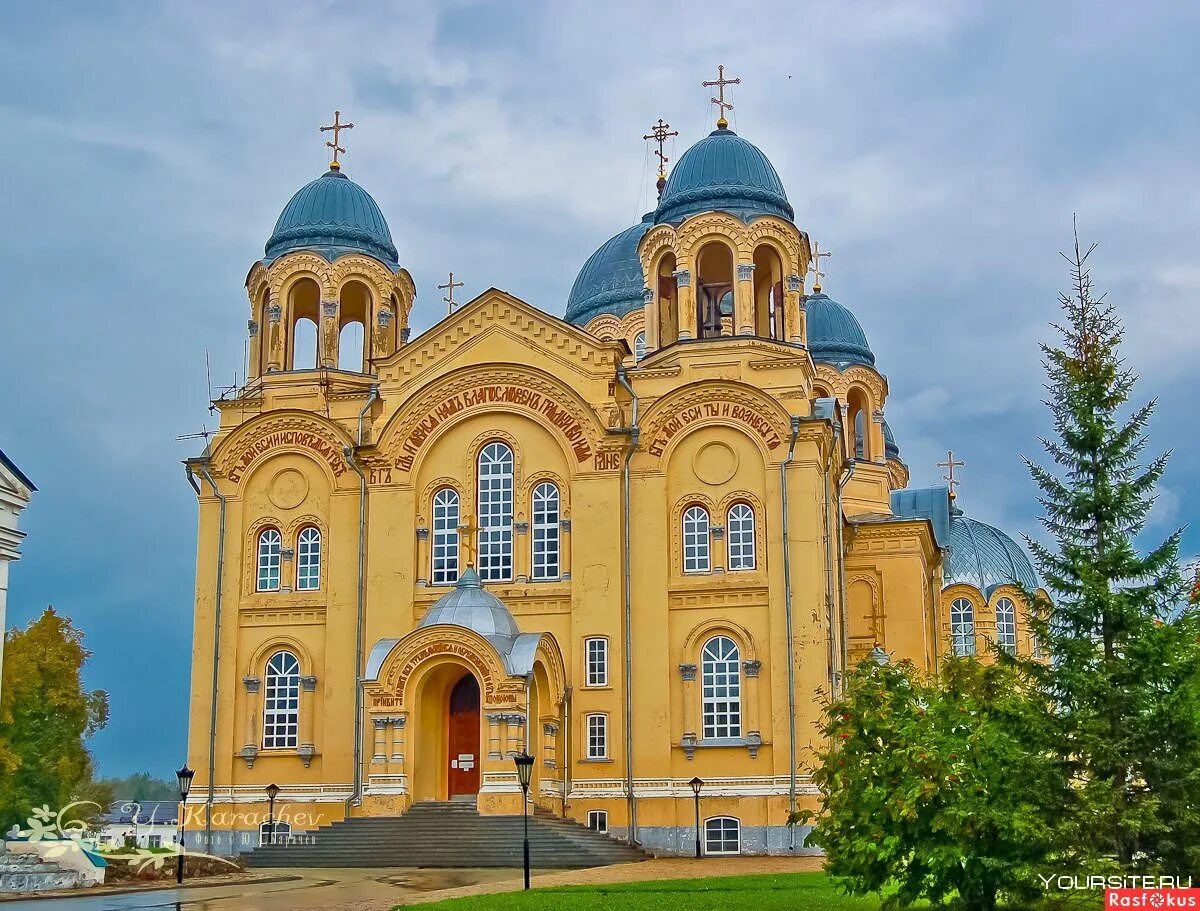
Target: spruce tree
1124 676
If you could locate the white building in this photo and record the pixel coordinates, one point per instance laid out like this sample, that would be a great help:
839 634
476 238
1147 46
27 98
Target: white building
16 490
139 823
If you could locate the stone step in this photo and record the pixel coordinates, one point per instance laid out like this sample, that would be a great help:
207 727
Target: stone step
30 873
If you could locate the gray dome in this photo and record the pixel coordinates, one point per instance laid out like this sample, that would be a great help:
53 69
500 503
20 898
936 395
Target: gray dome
471 606
985 557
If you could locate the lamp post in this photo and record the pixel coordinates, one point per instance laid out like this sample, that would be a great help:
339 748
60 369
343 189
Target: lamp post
697 784
184 777
524 764
272 793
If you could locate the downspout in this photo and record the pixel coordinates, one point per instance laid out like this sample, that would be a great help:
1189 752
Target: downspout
828 546
212 716
844 639
791 645
633 431
356 791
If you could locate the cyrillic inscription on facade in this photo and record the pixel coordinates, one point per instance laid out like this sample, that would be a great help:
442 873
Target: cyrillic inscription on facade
710 410
329 452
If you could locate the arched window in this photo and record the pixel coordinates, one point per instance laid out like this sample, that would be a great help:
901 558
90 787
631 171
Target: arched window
714 291
1006 624
722 835
281 703
308 559
739 532
962 627
639 346
545 530
274 833
444 570
270 552
495 481
721 688
695 540
304 344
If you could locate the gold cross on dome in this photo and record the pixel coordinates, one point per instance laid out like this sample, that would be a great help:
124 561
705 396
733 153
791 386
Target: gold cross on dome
465 531
659 134
722 105
815 266
451 303
337 126
950 464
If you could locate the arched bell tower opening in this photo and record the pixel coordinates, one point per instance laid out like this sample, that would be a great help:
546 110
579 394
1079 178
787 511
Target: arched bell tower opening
353 317
303 313
668 301
768 294
714 291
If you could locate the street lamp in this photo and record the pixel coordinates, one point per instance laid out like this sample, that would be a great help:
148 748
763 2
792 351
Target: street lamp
272 793
184 777
697 784
879 656
524 772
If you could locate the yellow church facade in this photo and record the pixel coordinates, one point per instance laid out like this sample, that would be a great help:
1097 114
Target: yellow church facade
636 541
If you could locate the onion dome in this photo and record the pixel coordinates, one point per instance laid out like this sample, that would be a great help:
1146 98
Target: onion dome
332 216
470 605
611 280
985 557
834 335
723 172
891 449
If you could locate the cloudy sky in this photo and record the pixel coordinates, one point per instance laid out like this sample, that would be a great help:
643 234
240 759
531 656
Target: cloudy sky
938 148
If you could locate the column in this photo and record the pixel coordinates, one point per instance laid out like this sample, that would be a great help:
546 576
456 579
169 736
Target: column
743 300
398 724
687 304
750 700
651 322
493 720
308 699
522 556
516 733
381 344
877 445
254 368
718 549
422 555
253 709
793 310
287 568
380 725
329 333
564 549
688 674
274 337
549 744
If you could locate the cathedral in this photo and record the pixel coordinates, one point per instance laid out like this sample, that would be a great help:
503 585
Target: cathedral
635 536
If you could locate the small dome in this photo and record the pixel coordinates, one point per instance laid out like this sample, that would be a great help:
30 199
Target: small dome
834 335
332 216
985 557
891 449
611 280
723 172
471 606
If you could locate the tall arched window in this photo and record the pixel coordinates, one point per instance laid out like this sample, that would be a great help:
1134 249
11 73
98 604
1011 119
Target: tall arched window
270 552
545 530
639 346
721 688
962 627
695 540
308 559
281 702
739 533
1006 624
444 570
495 481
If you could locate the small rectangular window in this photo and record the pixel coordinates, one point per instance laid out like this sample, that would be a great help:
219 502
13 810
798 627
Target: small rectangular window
597 736
596 655
597 821
154 841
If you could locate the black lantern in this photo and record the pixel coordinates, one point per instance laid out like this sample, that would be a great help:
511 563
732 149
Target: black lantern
524 763
272 793
184 777
697 784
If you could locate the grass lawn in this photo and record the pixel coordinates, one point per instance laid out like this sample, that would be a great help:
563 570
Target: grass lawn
771 892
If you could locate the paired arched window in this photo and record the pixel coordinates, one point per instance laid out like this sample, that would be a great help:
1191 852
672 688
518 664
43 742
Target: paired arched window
1006 624
639 346
696 544
281 702
308 559
962 627
444 570
270 556
545 528
495 488
721 688
739 532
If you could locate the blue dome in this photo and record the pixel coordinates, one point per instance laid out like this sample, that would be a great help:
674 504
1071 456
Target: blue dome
891 449
611 280
723 172
985 557
332 216
834 335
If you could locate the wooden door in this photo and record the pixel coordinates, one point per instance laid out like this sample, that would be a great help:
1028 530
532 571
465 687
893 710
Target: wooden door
463 740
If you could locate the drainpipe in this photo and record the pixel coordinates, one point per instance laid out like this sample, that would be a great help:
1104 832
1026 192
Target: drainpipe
565 751
791 644
212 715
827 544
348 452
633 432
844 638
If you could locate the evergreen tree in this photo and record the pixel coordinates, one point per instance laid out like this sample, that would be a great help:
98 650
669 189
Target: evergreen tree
1124 644
45 717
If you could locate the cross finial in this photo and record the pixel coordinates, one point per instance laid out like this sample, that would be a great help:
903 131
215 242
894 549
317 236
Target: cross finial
465 530
722 105
950 464
450 285
659 133
337 126
815 266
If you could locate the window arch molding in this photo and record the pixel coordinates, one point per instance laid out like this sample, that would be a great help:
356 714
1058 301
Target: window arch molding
708 629
255 557
256 666
425 504
676 537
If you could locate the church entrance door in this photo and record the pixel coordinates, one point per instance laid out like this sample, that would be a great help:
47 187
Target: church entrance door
463 738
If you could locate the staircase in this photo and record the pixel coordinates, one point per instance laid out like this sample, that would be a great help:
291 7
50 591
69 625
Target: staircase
29 873
447 834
